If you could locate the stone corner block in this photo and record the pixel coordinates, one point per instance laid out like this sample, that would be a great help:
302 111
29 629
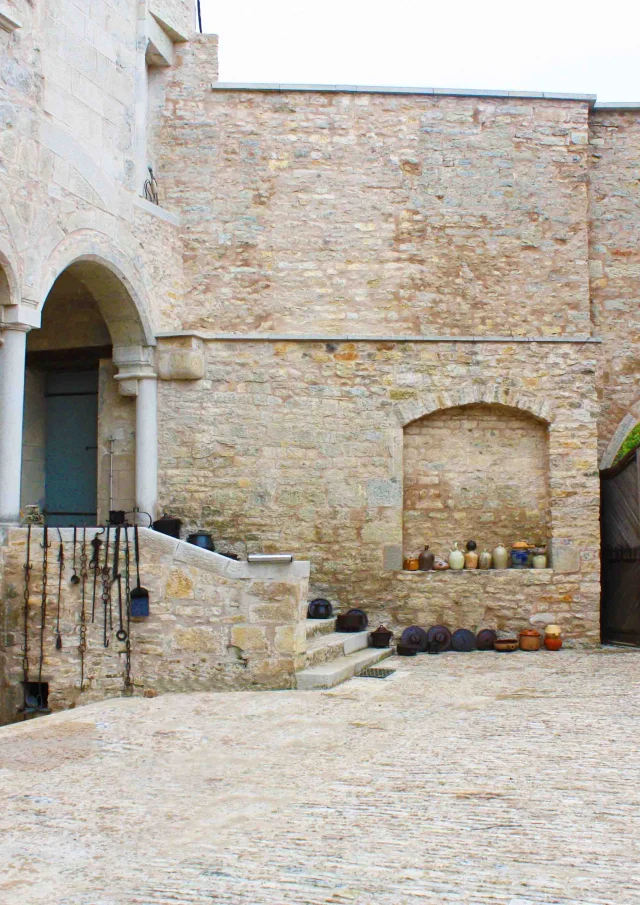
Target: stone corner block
392 558
180 364
564 556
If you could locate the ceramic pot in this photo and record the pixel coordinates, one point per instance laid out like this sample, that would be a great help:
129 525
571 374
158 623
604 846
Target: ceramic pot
539 561
484 560
456 558
553 643
471 559
426 560
505 645
411 564
519 555
500 557
530 639
553 631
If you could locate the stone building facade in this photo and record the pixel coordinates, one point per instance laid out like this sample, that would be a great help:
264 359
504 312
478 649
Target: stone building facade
358 320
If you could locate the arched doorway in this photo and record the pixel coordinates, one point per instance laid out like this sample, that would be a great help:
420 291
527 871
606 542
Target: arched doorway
89 372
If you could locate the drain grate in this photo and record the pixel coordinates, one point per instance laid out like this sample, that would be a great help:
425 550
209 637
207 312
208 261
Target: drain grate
375 673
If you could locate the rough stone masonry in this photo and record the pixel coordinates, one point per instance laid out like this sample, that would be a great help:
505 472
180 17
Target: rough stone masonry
359 320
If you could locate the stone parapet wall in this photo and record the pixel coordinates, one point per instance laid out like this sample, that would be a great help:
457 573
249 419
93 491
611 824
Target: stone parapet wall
615 266
313 212
215 624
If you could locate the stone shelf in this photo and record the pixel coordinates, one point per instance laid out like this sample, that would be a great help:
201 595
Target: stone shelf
542 575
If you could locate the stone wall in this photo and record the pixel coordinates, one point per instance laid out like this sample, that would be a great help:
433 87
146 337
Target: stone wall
309 212
615 266
479 472
215 624
299 447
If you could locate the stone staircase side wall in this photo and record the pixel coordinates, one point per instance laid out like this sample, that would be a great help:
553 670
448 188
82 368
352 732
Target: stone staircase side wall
214 624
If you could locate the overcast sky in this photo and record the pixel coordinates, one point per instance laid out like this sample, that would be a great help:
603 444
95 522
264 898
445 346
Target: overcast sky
548 45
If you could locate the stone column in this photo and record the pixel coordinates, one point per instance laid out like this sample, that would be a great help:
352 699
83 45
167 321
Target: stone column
12 367
147 445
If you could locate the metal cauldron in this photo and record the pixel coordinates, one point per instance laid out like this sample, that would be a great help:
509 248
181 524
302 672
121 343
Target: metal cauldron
203 540
167 525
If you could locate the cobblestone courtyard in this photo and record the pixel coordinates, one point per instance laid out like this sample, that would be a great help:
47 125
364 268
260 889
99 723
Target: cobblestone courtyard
484 778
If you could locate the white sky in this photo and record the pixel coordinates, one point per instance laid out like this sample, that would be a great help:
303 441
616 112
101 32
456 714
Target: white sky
547 45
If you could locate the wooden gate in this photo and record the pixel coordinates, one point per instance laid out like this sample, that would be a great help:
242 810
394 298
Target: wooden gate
620 531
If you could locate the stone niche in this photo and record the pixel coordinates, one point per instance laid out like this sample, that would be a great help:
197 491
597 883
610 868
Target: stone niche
475 471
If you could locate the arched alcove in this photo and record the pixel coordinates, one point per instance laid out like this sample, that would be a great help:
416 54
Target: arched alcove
477 471
79 432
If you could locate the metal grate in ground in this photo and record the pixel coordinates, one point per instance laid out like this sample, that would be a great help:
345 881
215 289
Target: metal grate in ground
375 672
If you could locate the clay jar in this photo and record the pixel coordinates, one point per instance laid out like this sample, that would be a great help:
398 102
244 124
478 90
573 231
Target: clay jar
471 557
553 643
484 560
500 557
411 563
456 558
426 560
553 637
530 639
539 559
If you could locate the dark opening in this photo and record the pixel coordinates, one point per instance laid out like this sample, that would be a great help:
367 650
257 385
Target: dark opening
36 696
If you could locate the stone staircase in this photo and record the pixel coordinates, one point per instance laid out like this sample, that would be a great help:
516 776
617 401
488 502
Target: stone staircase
334 657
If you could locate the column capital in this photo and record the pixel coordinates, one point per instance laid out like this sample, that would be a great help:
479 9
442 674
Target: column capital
134 363
19 317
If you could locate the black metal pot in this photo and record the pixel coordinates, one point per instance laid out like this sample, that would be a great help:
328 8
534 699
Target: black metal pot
203 540
168 525
352 621
381 637
320 609
117 516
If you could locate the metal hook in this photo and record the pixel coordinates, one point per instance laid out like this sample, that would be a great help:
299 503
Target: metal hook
45 538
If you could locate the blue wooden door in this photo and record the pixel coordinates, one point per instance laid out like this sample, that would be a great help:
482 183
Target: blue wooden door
71 463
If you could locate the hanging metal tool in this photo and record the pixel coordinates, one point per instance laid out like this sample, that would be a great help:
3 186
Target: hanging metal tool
139 595
94 565
37 703
121 634
106 590
128 684
60 571
84 574
25 650
74 578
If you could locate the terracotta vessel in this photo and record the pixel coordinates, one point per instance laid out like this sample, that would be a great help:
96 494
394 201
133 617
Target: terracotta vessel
471 559
456 558
530 639
426 560
500 557
553 631
485 560
505 645
553 643
412 564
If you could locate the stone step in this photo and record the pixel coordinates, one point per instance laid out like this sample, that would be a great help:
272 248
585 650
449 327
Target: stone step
320 626
323 648
336 671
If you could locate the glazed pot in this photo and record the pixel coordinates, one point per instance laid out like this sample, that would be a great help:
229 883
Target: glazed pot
426 560
484 560
519 555
471 559
500 557
411 564
553 643
530 639
539 561
505 645
202 539
553 631
456 558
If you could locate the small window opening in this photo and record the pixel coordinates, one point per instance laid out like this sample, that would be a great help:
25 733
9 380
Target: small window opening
36 697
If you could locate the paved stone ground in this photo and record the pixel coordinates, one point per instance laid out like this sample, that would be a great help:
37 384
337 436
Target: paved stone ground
480 778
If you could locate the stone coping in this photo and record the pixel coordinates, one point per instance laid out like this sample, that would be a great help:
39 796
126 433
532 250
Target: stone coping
395 89
156 211
355 338
617 105
178 550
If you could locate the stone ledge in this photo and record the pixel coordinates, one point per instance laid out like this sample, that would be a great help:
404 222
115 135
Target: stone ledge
395 89
156 211
355 338
541 575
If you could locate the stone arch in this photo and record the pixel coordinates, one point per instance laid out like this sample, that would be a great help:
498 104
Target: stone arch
620 434
113 281
412 410
9 289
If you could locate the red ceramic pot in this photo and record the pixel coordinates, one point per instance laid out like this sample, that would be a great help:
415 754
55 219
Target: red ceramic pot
553 643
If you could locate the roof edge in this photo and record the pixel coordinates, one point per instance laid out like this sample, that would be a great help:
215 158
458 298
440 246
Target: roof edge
390 89
617 105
